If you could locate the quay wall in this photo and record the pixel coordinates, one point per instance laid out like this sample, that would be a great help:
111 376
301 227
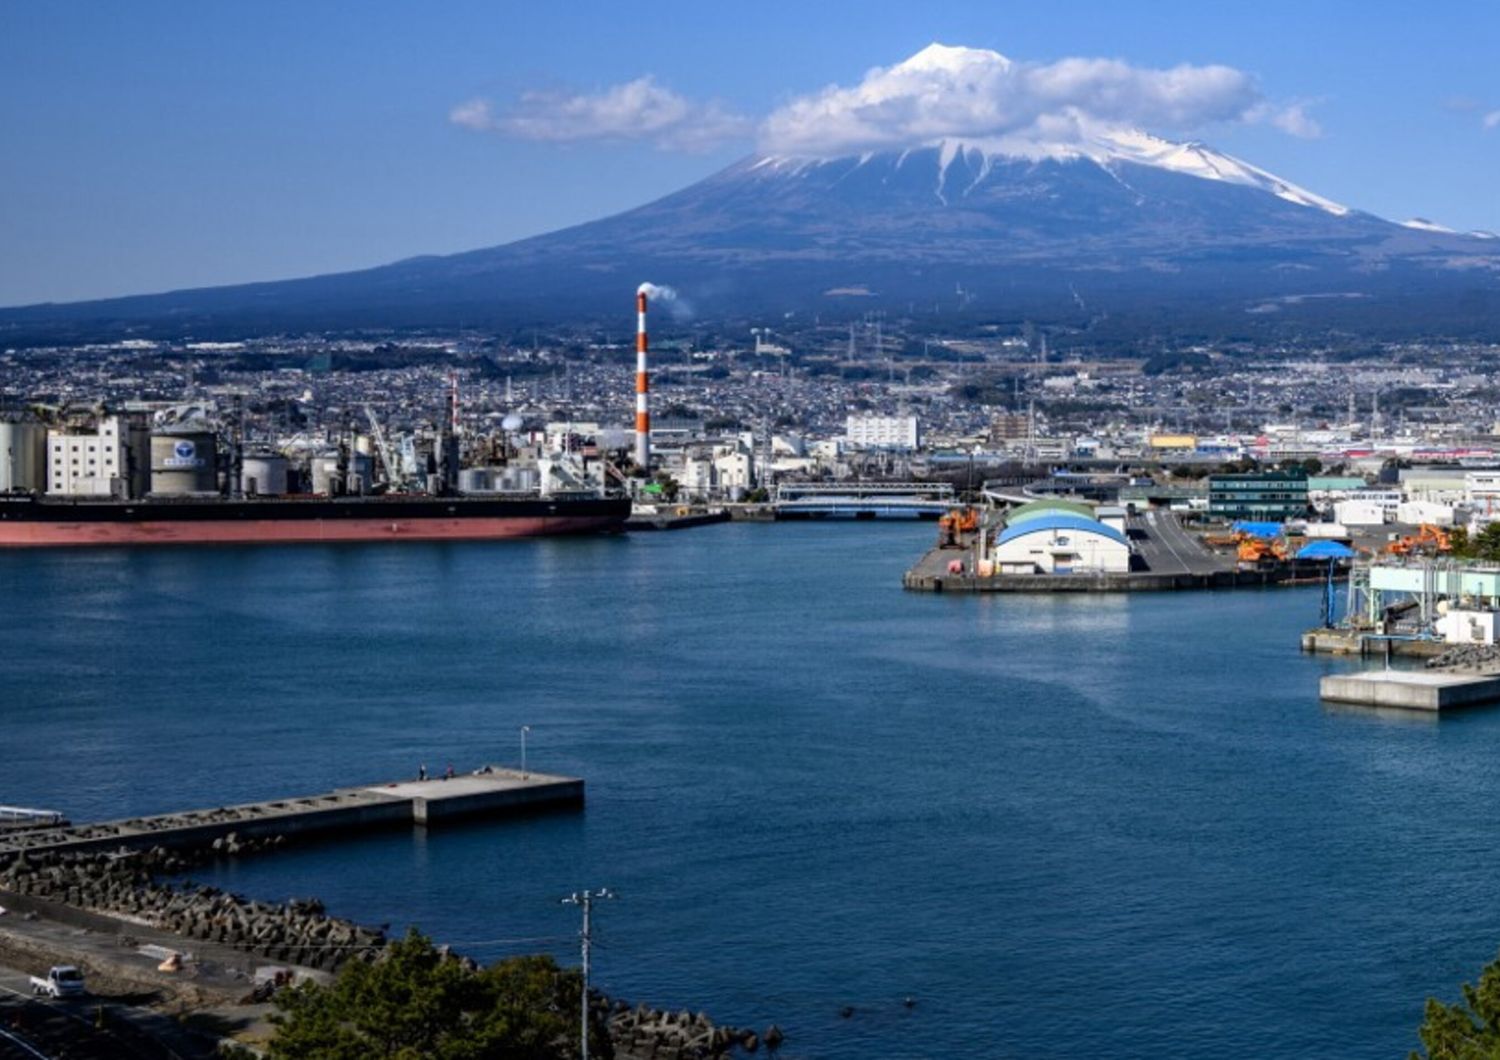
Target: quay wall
1091 583
431 811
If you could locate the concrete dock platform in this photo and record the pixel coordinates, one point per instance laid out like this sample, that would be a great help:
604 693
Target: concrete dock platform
1359 642
492 792
1411 689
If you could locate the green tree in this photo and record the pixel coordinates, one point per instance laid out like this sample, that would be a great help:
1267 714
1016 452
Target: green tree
1483 546
418 1003
1468 1031
670 487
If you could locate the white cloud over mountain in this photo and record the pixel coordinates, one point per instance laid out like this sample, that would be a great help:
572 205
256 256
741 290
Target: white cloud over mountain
942 92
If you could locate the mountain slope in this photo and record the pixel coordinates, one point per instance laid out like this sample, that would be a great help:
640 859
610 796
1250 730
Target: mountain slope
1124 224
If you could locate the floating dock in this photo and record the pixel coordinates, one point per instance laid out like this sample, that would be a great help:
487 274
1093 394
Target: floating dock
493 792
1424 690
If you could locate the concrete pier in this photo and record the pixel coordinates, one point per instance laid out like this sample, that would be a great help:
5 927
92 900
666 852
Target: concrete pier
1356 642
1411 689
498 792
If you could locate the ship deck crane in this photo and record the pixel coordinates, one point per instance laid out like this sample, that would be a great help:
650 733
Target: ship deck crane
387 455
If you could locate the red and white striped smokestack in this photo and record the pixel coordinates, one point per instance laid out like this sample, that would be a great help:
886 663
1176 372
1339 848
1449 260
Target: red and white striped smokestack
642 387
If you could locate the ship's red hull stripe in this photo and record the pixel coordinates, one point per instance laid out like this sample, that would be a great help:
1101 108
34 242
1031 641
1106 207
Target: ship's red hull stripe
278 531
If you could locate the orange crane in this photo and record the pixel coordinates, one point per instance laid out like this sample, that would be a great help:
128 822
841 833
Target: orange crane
955 524
1428 538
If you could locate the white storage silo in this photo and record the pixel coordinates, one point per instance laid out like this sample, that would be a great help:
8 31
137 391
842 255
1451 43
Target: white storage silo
23 455
325 473
263 474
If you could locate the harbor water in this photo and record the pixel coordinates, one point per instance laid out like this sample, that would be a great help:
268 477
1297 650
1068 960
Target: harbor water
1066 826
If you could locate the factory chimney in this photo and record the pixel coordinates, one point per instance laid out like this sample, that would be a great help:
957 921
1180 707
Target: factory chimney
642 387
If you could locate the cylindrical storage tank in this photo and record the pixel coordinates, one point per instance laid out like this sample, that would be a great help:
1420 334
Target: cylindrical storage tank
23 456
266 472
518 480
183 463
325 473
475 480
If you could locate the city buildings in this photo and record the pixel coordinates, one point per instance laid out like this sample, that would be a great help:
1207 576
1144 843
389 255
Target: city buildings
1268 496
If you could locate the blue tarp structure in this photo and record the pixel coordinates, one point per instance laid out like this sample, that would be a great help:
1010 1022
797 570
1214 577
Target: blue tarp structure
1265 530
1325 550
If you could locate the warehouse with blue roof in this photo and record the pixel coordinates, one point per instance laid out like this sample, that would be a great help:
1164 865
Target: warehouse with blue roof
1060 542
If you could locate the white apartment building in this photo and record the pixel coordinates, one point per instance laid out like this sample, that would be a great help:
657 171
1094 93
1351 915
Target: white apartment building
82 464
882 432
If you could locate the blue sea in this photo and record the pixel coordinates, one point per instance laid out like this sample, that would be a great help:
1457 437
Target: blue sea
1071 826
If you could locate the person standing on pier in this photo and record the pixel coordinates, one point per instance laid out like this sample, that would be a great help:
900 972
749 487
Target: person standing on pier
422 771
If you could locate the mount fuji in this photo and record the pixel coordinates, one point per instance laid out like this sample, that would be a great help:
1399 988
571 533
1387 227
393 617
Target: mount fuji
1125 227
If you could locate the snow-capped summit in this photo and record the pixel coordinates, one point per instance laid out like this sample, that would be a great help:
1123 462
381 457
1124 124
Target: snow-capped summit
1107 149
1199 160
952 59
1422 224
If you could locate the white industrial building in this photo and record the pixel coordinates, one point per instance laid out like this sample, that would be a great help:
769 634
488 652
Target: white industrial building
716 471
882 432
1368 507
84 463
1482 493
1060 543
1414 513
1441 485
1465 627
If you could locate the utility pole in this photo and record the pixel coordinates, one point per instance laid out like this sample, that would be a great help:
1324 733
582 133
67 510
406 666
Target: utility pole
585 900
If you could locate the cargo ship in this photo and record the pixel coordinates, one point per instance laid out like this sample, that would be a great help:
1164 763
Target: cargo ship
33 521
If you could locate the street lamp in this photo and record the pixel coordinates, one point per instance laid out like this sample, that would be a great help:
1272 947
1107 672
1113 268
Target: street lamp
524 730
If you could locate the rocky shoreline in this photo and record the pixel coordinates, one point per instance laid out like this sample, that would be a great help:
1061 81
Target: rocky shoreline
127 885
294 932
1478 658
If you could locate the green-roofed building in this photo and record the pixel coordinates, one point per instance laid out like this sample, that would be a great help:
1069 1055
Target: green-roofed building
1332 483
1047 506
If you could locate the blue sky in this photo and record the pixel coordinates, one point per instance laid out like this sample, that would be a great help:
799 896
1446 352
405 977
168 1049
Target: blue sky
147 146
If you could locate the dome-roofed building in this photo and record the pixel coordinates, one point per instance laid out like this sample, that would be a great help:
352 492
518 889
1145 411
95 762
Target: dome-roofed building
1059 542
1047 506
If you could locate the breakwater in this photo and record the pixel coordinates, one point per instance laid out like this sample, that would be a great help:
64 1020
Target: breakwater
487 792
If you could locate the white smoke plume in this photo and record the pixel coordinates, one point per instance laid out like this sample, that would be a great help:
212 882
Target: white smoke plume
678 306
